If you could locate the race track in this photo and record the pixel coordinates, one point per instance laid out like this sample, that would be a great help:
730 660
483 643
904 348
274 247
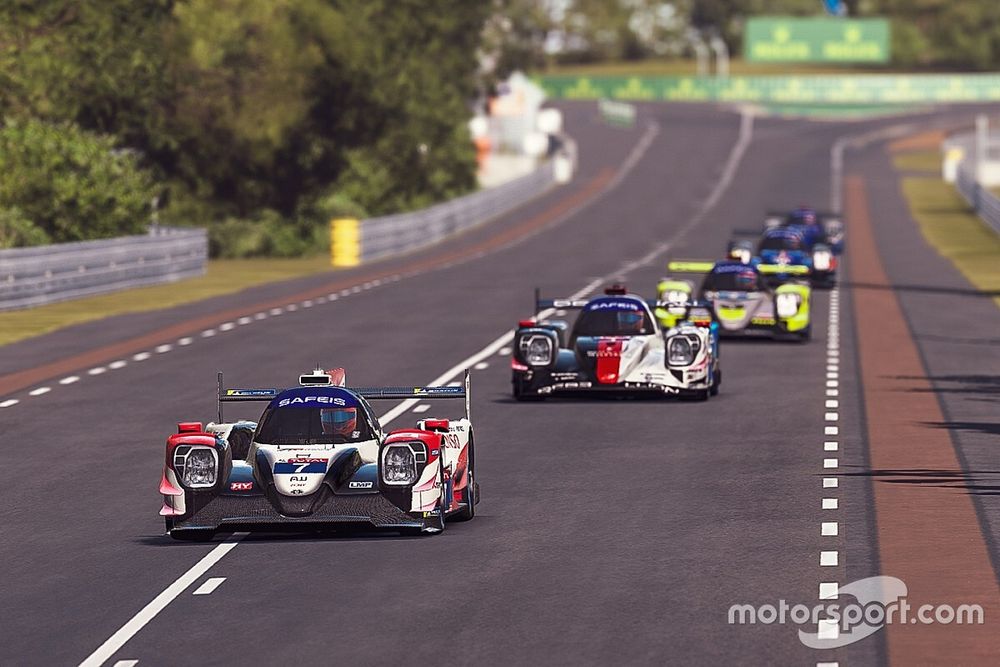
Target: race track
610 532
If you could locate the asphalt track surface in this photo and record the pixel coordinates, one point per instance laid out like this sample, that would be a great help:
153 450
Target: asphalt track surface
610 532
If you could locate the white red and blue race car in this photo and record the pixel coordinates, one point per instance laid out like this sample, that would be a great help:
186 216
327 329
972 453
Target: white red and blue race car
318 459
616 346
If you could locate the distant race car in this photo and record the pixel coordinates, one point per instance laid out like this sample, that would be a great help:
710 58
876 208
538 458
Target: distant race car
616 346
822 237
786 246
318 459
754 298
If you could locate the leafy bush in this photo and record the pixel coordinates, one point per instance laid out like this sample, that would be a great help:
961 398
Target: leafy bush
267 234
16 231
71 183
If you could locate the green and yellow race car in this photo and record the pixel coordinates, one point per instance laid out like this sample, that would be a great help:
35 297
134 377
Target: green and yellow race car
746 299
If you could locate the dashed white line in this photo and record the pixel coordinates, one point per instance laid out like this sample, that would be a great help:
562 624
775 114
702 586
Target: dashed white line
827 628
482 365
830 503
260 316
827 664
833 392
39 391
833 404
830 446
828 558
141 356
829 463
187 340
69 379
243 321
126 663
831 416
97 371
829 590
831 482
276 311
9 402
227 326
423 407
209 586
829 528
291 308
503 352
161 349
208 333
831 430
308 303
115 365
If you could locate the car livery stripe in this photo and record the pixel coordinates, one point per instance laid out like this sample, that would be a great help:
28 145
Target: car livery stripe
609 357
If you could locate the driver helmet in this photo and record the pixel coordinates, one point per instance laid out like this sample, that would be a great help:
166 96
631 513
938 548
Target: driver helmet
629 321
746 280
805 215
339 421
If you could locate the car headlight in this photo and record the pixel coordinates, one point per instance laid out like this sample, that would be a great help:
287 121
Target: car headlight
787 305
399 465
675 296
822 260
201 467
680 351
536 350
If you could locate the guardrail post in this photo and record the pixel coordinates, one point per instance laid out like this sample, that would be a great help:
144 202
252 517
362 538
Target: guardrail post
345 242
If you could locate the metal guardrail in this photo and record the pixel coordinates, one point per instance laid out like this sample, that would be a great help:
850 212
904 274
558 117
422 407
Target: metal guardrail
355 242
46 274
985 203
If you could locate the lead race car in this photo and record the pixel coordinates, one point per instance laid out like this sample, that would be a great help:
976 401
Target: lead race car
749 299
616 346
319 459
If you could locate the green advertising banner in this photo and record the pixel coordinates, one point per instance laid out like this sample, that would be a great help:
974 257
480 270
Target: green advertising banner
774 39
860 89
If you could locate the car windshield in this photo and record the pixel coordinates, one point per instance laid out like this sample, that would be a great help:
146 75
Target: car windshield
780 243
313 426
731 281
613 323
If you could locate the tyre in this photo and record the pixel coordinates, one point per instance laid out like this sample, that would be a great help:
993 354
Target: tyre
697 394
716 382
468 510
521 395
805 335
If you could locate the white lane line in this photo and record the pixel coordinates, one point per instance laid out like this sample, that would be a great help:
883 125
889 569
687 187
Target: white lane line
829 463
345 292
9 402
423 407
834 404
70 379
831 482
831 430
830 503
126 663
276 311
355 289
830 446
209 586
115 365
482 365
291 308
829 528
832 384
454 384
260 316
39 391
97 371
827 628
828 558
161 349
227 326
243 321
831 416
208 333
308 303
141 356
833 392
832 367
504 351
827 664
147 613
187 340
829 590
832 376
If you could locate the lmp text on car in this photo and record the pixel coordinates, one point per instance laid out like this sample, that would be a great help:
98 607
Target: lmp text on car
616 346
318 459
754 298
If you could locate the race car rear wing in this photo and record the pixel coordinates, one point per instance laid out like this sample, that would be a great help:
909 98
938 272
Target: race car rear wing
687 266
463 391
562 304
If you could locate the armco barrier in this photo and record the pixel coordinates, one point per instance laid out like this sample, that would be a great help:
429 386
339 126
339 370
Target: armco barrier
354 242
985 203
857 89
46 274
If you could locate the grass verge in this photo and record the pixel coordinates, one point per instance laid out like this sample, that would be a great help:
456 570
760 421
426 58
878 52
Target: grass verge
924 160
955 231
223 276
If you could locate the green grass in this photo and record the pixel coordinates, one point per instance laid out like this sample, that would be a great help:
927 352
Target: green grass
737 67
955 231
223 276
924 160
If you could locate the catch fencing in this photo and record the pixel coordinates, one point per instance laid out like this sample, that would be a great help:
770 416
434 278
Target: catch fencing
985 203
46 274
